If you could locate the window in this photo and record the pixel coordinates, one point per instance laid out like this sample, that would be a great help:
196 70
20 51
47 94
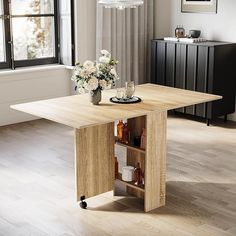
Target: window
2 55
28 33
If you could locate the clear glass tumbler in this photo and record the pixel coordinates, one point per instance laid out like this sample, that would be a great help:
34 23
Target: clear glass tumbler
129 89
119 93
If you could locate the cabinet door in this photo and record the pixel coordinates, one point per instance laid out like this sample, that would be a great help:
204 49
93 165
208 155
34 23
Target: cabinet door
210 84
153 62
181 52
170 64
160 63
202 76
191 73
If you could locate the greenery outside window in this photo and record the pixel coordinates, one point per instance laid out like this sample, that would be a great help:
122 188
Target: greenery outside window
28 33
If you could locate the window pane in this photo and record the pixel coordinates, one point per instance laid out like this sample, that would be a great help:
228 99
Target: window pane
1 8
22 7
33 37
2 55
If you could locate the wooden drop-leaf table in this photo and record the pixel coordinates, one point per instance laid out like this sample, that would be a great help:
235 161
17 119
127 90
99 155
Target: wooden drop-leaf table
94 136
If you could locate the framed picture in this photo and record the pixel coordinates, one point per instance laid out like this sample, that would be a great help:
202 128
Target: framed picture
199 6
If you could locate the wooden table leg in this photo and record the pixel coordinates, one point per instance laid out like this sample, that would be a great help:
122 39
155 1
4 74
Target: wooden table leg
94 158
155 161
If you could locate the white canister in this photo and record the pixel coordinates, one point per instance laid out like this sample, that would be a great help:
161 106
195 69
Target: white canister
128 173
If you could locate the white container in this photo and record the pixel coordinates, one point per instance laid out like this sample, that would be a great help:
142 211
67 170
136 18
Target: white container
128 173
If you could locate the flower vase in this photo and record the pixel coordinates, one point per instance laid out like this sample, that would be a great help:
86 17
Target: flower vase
95 96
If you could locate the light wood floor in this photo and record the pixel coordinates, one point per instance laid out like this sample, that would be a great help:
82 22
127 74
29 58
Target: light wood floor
37 195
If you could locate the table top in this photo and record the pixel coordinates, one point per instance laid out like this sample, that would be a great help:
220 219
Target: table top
77 111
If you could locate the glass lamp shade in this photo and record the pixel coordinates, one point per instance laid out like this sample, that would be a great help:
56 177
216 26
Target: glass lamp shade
121 4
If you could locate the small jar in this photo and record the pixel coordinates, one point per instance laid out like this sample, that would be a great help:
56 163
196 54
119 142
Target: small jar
179 31
128 173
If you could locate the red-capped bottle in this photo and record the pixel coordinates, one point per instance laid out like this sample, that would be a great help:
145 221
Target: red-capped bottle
116 167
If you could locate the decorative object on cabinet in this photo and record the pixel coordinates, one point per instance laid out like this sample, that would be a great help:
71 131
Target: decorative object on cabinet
171 39
192 40
95 76
179 31
194 33
200 6
185 40
204 67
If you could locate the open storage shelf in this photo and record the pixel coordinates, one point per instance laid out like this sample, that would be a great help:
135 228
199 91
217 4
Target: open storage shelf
130 146
130 184
134 155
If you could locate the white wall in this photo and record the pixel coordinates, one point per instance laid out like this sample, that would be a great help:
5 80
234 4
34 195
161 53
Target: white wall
220 26
31 84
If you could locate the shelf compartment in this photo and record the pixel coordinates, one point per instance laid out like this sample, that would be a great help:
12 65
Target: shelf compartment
130 184
130 146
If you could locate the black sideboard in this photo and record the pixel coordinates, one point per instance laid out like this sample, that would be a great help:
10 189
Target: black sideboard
205 67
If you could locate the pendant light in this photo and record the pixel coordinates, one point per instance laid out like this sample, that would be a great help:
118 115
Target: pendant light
121 4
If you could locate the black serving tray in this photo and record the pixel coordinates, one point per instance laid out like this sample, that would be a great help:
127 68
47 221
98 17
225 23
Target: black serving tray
134 99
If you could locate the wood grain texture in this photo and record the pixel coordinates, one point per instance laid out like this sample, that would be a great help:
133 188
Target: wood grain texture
136 126
94 156
155 161
77 112
37 184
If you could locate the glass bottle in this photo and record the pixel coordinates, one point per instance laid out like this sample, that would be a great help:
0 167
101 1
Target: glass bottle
138 175
116 167
125 135
143 139
143 178
120 127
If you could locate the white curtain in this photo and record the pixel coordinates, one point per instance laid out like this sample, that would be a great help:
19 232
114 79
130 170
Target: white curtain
127 34
65 32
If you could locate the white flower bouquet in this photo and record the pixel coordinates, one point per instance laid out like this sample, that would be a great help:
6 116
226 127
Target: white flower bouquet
94 76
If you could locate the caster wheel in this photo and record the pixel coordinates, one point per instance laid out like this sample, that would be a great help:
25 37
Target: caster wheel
83 204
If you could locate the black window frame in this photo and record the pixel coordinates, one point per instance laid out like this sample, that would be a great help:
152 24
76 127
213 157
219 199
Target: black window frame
9 50
6 29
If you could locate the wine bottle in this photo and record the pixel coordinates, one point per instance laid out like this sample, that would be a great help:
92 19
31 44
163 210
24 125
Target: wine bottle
116 167
125 135
138 175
